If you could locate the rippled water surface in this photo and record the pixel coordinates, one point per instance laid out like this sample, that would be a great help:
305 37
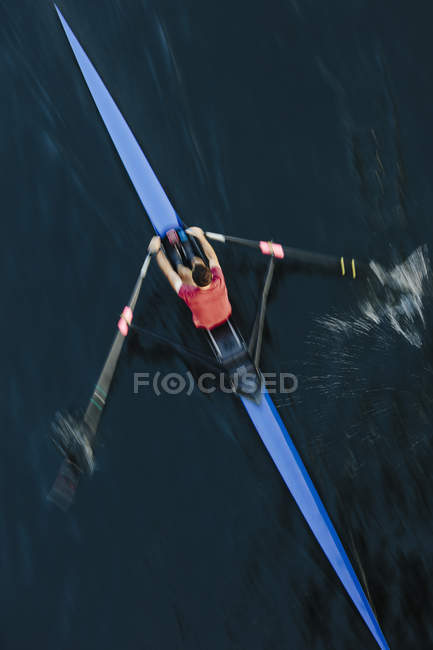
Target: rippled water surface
299 121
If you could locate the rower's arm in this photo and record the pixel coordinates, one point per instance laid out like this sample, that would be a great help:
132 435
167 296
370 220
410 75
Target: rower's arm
208 250
171 275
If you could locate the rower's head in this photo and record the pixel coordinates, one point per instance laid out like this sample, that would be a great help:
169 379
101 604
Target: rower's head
201 274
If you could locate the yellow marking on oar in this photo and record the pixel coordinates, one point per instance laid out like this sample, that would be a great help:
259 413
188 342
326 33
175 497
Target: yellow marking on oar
343 268
353 269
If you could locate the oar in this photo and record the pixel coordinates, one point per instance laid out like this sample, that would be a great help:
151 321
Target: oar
304 260
99 397
255 344
75 439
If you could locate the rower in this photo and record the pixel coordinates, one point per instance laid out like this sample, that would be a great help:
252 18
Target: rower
202 287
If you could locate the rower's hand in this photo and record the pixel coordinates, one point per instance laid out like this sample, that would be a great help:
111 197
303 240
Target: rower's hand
154 245
195 231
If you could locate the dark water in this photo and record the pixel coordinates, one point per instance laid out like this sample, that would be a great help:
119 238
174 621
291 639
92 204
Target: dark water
303 121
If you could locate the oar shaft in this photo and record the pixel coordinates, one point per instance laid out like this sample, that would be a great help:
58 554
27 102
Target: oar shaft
97 401
64 488
302 260
137 288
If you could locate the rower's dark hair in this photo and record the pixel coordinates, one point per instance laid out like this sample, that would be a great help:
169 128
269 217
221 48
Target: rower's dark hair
202 275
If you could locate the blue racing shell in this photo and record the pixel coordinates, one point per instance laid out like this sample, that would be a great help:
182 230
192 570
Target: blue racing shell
264 416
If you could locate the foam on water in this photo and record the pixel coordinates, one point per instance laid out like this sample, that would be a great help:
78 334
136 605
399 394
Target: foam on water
397 299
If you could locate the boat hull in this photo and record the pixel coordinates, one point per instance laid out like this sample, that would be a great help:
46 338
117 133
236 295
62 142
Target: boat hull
263 415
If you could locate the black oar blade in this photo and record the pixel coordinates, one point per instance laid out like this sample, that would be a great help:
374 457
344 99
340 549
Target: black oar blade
71 437
62 494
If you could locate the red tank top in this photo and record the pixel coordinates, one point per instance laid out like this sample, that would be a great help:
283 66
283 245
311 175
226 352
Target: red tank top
209 307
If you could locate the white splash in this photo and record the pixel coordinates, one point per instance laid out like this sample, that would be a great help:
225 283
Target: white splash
398 300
